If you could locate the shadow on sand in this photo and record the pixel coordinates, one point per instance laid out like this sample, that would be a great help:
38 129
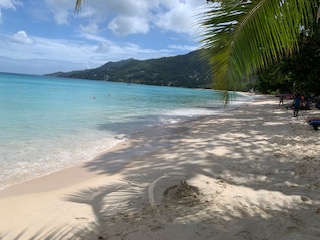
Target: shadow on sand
244 156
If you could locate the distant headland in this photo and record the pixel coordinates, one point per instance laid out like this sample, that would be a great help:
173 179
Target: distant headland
179 71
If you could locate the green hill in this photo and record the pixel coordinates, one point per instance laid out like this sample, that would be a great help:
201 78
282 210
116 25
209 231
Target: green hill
179 71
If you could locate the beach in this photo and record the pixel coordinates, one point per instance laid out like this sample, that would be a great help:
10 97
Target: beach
249 173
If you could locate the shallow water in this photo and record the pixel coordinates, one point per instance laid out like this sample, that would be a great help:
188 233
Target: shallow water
47 123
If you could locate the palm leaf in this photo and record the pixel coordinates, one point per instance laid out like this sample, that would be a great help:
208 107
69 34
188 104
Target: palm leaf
78 5
242 37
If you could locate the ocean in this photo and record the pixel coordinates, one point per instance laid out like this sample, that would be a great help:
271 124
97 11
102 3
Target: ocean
47 123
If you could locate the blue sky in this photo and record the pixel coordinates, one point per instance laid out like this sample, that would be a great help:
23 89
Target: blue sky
45 36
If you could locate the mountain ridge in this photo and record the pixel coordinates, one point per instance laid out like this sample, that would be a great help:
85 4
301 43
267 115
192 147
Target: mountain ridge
179 71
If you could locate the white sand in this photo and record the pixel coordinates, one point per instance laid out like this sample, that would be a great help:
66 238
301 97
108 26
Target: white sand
253 173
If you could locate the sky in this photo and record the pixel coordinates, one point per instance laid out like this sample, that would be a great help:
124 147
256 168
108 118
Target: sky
46 36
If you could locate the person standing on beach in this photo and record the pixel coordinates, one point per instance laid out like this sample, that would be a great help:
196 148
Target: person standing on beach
281 98
296 104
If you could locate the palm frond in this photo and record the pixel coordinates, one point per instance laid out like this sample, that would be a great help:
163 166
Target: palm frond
242 37
78 5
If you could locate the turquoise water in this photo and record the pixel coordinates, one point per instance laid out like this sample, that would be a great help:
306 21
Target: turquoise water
47 123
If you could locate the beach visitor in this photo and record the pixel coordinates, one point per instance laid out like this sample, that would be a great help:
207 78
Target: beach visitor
296 104
281 98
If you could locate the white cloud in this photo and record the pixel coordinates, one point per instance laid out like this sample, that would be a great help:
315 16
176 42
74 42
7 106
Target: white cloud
126 25
123 17
127 17
8 4
183 47
61 17
125 7
91 28
74 54
180 17
94 24
22 37
87 12
61 10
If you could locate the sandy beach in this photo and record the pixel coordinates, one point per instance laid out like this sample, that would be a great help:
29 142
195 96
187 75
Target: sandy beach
251 173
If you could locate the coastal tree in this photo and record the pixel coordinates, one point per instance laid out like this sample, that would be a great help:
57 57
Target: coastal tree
242 37
286 76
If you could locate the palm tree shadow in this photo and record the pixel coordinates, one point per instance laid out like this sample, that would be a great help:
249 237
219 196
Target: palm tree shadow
145 206
139 204
95 198
48 233
120 203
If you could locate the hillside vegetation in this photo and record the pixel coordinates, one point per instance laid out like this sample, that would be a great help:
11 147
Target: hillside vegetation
179 71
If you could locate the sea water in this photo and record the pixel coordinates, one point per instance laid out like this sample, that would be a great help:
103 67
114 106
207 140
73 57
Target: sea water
47 123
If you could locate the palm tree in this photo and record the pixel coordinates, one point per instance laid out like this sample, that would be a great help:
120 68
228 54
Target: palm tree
242 37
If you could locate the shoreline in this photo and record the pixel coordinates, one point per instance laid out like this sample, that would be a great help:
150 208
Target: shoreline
255 164
44 184
127 139
38 140
20 189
